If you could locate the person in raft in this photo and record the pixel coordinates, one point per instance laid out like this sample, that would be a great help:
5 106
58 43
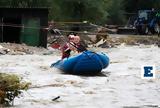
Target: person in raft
72 45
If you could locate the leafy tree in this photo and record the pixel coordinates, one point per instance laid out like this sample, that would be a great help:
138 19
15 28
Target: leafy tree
95 11
24 3
79 10
115 11
4 3
135 5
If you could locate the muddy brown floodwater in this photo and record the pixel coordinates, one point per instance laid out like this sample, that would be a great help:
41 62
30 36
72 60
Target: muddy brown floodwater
120 87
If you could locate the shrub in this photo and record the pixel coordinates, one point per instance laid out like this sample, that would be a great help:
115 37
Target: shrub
10 87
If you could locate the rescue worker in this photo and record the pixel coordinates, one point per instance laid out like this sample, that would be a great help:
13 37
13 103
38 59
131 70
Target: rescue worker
72 45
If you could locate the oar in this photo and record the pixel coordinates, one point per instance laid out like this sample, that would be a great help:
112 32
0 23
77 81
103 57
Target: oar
59 37
78 48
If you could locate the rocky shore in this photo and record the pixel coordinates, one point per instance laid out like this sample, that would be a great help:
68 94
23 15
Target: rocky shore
104 42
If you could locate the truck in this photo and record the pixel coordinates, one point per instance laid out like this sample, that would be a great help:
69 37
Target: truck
143 23
147 21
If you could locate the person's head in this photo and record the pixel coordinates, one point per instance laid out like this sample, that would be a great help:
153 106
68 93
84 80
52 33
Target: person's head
74 38
71 33
71 38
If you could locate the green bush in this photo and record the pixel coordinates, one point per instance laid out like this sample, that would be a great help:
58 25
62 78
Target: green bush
10 87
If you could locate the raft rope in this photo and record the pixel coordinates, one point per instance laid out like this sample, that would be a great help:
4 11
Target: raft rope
94 53
65 39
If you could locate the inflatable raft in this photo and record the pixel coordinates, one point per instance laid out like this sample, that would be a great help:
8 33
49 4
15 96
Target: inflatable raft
87 62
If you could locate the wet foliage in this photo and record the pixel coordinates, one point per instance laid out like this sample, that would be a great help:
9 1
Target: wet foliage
11 86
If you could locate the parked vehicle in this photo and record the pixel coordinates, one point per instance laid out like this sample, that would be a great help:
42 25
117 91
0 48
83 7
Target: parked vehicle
148 21
143 23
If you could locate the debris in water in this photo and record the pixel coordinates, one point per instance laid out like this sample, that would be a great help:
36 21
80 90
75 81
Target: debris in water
54 99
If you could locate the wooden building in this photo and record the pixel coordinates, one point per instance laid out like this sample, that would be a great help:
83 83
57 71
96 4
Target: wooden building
24 25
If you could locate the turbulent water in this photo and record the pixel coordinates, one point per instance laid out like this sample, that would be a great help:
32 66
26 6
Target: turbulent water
121 86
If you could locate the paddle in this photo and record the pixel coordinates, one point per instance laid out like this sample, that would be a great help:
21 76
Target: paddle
79 48
58 37
62 40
